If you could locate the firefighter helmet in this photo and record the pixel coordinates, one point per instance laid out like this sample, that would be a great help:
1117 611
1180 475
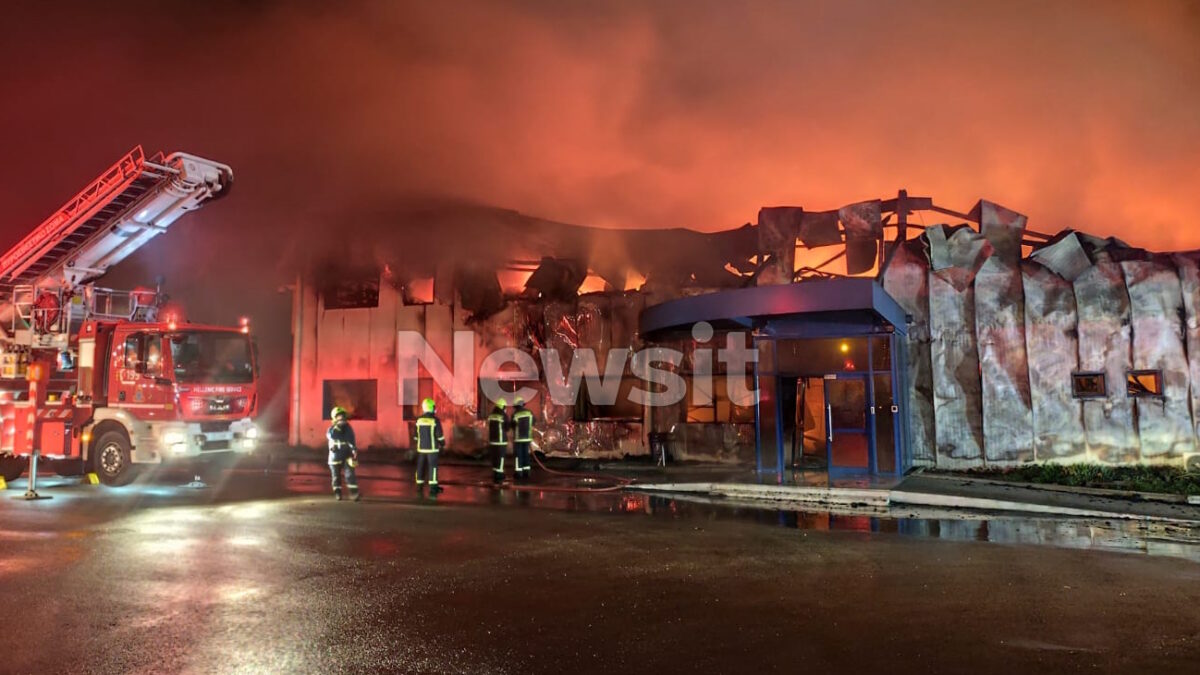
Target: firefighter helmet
501 403
337 410
518 401
427 406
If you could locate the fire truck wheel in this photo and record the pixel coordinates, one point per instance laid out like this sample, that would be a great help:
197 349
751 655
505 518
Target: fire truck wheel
111 461
11 468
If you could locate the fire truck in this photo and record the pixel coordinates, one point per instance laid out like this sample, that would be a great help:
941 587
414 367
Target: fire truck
100 380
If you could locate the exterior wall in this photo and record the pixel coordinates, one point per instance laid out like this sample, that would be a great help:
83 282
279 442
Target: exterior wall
992 343
1052 341
1006 336
907 280
358 344
1156 311
1104 346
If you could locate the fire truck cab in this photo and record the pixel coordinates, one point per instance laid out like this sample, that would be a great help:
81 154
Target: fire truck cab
105 380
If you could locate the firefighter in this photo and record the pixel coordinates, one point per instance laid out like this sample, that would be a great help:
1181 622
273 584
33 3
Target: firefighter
343 454
522 422
429 440
497 425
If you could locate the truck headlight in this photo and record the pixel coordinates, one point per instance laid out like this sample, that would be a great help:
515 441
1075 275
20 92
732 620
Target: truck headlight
173 438
252 433
179 448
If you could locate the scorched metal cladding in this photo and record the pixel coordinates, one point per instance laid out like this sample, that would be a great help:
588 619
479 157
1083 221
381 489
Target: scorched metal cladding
1018 347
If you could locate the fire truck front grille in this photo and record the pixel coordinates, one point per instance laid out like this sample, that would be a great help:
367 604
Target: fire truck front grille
215 445
214 427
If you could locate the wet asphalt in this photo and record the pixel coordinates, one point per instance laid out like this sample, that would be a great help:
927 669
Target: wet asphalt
264 572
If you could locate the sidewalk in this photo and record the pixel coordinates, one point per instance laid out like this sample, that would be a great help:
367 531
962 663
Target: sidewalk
969 493
950 492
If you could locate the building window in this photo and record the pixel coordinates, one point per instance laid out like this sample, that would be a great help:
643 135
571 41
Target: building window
412 392
358 397
1088 385
1144 383
351 290
710 403
419 291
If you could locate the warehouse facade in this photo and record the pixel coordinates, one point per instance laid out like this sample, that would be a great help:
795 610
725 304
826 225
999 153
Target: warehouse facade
878 345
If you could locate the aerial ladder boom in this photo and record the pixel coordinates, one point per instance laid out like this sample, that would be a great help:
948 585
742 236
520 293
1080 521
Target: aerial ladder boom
120 211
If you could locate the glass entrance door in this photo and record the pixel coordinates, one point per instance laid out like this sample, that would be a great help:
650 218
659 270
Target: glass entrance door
848 433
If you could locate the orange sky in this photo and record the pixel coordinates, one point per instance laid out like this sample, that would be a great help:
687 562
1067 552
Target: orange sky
619 114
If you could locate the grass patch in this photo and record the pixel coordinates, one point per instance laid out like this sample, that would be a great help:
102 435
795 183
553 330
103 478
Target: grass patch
1166 479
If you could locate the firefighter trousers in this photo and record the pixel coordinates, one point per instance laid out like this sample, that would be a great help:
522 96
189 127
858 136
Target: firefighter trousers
521 452
343 462
498 452
427 468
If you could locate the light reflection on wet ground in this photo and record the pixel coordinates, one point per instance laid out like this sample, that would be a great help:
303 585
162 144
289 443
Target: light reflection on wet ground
242 492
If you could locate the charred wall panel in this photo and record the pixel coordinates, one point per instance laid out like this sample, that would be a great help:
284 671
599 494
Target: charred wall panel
412 318
777 231
1164 424
907 281
957 401
311 430
1052 345
1102 304
389 428
1189 279
1004 367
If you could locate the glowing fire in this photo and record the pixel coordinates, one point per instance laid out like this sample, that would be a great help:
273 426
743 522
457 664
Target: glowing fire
512 280
820 258
592 284
634 280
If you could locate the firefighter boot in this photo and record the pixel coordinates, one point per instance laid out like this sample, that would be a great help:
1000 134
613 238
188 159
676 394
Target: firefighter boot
357 494
337 493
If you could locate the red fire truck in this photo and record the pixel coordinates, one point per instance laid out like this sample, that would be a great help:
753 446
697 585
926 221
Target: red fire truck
101 380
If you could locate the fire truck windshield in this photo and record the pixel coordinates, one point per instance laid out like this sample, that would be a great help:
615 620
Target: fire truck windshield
212 357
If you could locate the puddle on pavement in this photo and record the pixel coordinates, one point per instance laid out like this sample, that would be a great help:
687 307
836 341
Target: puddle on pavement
1129 536
470 485
582 495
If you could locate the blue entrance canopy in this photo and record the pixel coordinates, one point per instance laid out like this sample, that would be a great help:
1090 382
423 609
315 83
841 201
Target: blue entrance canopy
859 301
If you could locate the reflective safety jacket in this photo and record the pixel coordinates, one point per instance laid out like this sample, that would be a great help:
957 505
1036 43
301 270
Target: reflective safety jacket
428 434
497 424
341 442
522 420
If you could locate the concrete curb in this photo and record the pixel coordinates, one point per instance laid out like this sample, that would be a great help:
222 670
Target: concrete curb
775 493
883 499
983 504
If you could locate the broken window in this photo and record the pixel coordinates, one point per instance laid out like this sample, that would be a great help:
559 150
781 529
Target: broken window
419 291
1143 383
709 402
356 290
412 392
1088 385
358 397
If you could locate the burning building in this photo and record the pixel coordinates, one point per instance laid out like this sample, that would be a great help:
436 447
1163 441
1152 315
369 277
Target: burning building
876 345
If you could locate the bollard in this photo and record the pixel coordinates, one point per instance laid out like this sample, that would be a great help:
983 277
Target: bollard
31 493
